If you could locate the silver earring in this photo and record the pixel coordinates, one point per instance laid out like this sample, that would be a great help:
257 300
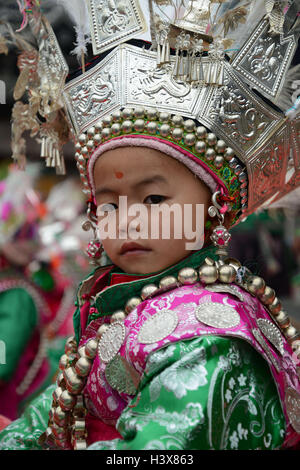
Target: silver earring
95 248
220 235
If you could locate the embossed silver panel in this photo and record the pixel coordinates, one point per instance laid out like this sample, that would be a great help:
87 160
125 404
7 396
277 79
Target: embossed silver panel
113 22
241 118
264 59
272 333
217 315
111 341
95 93
158 327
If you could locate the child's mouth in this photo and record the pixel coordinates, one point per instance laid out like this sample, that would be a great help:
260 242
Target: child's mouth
130 249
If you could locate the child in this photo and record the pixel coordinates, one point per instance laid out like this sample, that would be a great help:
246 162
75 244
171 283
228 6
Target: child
175 347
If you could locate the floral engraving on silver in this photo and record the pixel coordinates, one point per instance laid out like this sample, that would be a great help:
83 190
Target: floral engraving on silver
272 333
111 341
217 315
260 339
223 288
264 60
113 22
292 403
158 327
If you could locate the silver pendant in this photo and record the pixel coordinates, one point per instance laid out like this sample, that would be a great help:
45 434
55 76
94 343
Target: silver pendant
272 333
217 315
292 403
228 289
158 327
111 341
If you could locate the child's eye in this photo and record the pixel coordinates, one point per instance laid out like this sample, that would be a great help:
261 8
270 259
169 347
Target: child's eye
154 199
108 207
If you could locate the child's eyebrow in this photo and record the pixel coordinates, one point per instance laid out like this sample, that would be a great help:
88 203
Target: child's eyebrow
150 180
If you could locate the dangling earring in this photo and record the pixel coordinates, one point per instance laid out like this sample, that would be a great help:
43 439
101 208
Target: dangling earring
95 248
220 235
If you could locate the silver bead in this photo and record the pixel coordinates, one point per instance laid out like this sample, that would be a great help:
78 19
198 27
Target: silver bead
290 332
210 154
256 285
187 276
116 116
233 162
200 146
227 273
90 145
67 400
208 274
81 160
127 113
63 362
189 139
77 147
91 348
127 126
106 133
101 330
139 112
91 132
139 125
152 127
221 146
229 153
164 117
106 121
242 177
82 139
177 133
268 296
151 114
83 366
218 161
189 125
165 130
243 192
118 316
238 169
177 120
211 139
201 132
97 139
168 281
98 127
275 307
148 290
132 304
116 128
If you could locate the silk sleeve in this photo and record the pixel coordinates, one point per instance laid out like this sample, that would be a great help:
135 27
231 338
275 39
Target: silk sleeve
206 393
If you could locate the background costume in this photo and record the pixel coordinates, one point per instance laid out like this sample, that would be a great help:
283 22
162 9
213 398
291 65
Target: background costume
201 355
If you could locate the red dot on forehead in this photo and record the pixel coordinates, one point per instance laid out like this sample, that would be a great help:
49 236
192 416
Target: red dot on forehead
119 174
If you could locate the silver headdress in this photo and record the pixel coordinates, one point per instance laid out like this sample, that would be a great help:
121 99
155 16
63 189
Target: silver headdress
223 64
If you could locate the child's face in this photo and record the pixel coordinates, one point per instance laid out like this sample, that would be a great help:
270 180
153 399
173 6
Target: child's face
152 179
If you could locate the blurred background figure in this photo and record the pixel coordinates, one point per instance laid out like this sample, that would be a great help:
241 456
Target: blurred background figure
41 260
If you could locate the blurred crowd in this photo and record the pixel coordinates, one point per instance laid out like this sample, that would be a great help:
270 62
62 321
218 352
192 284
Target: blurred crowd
42 260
